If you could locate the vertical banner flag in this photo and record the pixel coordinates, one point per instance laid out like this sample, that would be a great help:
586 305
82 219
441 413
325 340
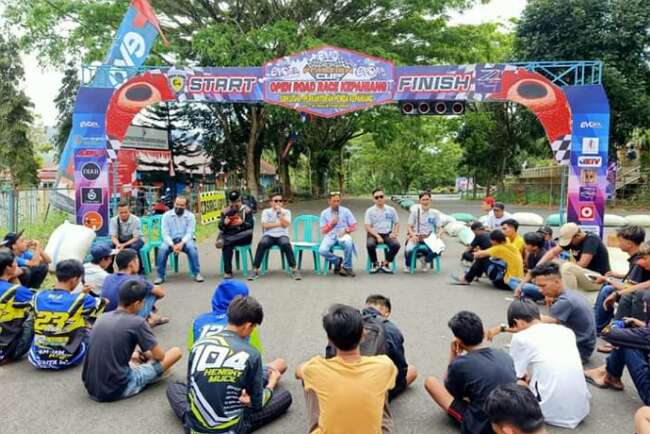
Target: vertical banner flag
589 146
91 194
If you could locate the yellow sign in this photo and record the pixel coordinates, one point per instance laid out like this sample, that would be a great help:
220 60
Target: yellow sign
210 205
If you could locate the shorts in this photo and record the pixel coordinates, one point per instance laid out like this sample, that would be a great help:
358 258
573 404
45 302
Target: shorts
457 410
140 377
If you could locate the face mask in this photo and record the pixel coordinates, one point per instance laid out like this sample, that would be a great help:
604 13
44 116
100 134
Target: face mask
179 211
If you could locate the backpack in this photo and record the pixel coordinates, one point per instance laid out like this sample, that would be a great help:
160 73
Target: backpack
496 269
373 342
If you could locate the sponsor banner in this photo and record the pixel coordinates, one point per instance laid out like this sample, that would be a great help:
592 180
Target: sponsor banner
328 81
210 205
146 138
91 192
612 171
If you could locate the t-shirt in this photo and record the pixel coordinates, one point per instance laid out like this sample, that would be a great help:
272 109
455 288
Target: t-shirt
548 356
94 275
423 222
533 258
592 245
519 243
110 346
269 215
351 396
112 284
15 307
61 321
126 230
493 222
381 219
482 241
573 311
24 258
346 219
473 376
508 253
636 273
210 324
220 366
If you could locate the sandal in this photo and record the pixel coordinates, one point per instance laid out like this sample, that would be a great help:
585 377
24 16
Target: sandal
159 321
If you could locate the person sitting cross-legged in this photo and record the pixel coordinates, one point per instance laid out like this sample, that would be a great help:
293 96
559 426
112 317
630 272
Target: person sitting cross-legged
62 319
347 393
504 263
534 242
275 232
474 370
336 224
547 361
31 258
95 271
16 320
380 307
214 322
107 373
229 389
481 241
382 227
513 409
128 264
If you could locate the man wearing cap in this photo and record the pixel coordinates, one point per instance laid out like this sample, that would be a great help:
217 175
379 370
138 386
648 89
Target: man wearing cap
30 258
590 255
236 225
95 271
336 225
178 227
497 216
125 230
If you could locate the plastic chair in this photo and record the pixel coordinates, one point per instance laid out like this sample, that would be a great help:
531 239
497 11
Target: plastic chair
308 241
384 247
435 263
265 262
327 266
242 253
152 231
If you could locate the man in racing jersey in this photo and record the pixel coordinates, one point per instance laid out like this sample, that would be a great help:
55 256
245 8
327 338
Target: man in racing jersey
227 391
62 319
16 323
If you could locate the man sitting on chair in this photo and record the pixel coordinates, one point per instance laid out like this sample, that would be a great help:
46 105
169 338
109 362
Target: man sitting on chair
178 226
423 221
236 225
382 225
336 224
275 227
125 231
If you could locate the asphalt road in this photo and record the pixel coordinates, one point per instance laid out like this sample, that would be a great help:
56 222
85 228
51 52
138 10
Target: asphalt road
56 402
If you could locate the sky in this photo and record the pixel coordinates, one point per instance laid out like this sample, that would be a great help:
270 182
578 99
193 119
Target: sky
42 85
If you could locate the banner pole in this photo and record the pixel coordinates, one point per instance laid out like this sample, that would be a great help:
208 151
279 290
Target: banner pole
563 181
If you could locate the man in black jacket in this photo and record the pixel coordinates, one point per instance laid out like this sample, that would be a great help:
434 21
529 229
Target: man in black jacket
379 306
236 225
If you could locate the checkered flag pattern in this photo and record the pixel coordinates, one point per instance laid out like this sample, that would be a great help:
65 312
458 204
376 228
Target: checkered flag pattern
112 147
562 149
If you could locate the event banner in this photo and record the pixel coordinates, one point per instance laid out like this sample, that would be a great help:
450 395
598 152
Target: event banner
91 194
589 146
210 205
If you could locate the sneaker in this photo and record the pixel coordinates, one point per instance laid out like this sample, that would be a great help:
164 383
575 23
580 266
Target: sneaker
426 267
337 265
374 269
199 278
423 261
407 269
386 269
253 276
455 279
296 275
158 281
347 272
227 276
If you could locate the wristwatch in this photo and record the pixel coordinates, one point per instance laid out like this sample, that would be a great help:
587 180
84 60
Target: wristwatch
503 328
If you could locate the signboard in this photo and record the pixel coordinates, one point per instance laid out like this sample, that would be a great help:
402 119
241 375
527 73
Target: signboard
146 138
210 205
91 194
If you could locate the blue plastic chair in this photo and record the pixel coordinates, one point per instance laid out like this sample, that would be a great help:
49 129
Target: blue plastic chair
435 263
385 248
308 240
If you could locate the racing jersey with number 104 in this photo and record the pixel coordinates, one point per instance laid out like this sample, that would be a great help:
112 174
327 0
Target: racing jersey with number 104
220 366
15 306
61 322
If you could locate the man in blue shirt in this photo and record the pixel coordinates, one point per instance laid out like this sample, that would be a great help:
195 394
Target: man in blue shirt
178 227
16 322
30 258
336 225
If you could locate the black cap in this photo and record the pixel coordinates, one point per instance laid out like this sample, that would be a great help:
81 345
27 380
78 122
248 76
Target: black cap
234 196
11 238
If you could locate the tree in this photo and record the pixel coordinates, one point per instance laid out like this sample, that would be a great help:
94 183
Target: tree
65 102
615 31
17 157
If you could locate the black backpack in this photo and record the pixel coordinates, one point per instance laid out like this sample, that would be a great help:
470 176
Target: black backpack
373 342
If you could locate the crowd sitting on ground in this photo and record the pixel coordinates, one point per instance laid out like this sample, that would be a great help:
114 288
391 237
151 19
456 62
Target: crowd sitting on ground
104 320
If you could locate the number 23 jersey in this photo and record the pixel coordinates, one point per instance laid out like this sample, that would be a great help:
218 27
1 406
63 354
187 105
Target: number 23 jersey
220 366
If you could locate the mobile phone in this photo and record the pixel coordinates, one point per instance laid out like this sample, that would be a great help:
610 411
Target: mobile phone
592 277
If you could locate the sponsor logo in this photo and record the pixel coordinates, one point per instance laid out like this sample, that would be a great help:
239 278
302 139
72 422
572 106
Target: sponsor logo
90 171
89 124
327 69
93 220
588 193
590 145
587 212
177 82
595 161
91 196
590 124
588 177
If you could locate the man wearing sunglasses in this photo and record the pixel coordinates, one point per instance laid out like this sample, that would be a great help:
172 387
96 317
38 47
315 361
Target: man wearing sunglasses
275 227
382 226
336 225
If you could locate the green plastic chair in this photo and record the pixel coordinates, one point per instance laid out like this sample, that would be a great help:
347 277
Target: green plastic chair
383 247
435 264
265 262
242 253
463 217
152 231
309 239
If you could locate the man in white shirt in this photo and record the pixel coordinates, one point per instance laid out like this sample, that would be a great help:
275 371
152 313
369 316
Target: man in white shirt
275 232
95 271
423 221
382 226
497 216
548 362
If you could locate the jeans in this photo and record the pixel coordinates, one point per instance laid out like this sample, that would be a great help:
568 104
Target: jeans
602 316
140 377
371 246
147 307
637 365
325 250
411 246
267 242
529 290
189 249
480 266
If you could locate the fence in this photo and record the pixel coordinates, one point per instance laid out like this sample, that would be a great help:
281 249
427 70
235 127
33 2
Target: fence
29 207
